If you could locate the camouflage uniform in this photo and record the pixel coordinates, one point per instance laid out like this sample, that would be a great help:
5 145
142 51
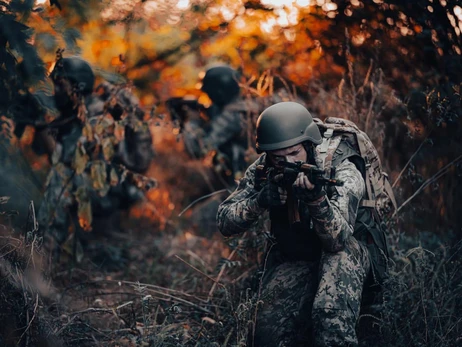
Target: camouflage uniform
225 134
315 272
64 188
56 209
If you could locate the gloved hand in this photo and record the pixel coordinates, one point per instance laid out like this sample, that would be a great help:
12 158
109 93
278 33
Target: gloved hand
306 191
271 194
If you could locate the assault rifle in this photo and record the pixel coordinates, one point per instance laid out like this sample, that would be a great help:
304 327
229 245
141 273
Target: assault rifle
291 171
315 174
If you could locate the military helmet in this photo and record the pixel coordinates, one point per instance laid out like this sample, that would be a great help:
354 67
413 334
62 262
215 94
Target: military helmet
221 84
285 124
77 71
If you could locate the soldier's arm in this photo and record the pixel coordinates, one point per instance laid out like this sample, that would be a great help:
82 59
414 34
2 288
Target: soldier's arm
223 128
241 209
334 218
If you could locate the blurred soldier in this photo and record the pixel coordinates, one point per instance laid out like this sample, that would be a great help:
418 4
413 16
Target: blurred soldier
73 81
72 196
316 269
225 133
222 136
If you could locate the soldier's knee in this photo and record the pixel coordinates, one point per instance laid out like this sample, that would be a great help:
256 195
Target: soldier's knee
352 258
334 327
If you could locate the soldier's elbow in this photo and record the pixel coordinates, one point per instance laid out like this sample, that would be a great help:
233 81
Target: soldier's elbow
334 247
333 244
225 227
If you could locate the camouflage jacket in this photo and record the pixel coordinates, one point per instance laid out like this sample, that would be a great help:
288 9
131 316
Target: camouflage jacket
226 134
324 224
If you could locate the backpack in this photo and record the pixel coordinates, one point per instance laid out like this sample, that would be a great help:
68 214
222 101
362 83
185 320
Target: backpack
342 139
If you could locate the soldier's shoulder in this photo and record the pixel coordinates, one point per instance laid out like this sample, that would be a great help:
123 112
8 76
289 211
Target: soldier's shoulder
242 105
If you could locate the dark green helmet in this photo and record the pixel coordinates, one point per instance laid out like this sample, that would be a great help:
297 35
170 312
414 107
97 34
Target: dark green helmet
221 84
77 71
285 124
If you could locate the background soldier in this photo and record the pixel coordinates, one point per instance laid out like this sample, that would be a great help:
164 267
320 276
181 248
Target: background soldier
316 270
223 135
70 192
225 132
73 81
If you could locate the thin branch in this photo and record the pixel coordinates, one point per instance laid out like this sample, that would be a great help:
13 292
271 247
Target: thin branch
409 161
175 298
30 322
199 271
202 198
93 310
432 179
222 270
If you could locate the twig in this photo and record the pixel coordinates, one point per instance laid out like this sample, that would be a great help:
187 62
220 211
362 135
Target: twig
30 322
195 256
260 286
199 271
123 305
202 198
182 301
222 270
92 310
57 332
409 161
369 112
428 182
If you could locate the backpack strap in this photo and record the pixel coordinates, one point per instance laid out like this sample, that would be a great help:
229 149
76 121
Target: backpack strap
370 201
327 148
389 190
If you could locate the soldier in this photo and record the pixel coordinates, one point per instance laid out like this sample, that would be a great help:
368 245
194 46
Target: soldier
225 133
73 81
71 193
316 269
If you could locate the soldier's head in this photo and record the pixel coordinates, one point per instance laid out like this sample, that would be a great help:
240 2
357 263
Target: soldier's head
220 83
71 76
286 132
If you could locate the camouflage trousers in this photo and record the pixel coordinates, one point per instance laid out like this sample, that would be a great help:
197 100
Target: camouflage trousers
313 303
54 216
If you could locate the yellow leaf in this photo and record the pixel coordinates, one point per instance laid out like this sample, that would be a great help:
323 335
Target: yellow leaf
87 131
84 212
108 149
80 161
114 179
85 216
98 175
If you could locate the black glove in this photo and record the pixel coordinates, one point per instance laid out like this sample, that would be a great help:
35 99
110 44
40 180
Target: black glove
271 194
305 190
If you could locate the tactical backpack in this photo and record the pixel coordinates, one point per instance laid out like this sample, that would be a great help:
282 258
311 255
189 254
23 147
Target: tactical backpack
342 139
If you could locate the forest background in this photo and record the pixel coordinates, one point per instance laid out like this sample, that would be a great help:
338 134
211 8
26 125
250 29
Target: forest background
393 67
